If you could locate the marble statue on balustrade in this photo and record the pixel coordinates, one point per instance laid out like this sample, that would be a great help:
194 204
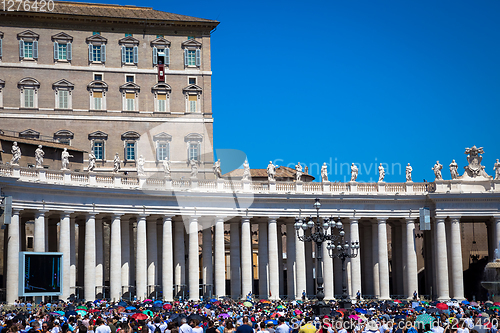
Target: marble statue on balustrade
381 173
271 171
91 161
217 170
475 170
65 159
437 170
354 172
194 169
454 170
496 167
298 174
409 169
166 167
16 154
39 154
140 166
246 170
116 163
324 173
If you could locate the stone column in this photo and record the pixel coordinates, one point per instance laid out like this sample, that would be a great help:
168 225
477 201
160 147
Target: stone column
179 256
355 262
13 248
290 260
457 271
220 258
246 257
300 270
90 253
376 275
141 277
441 254
99 249
115 262
72 259
263 261
383 259
152 248
274 285
194 260
125 242
411 259
496 223
235 261
366 248
328 274
167 260
65 248
208 280
39 239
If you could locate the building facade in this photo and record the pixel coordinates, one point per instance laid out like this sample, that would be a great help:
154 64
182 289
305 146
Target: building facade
110 79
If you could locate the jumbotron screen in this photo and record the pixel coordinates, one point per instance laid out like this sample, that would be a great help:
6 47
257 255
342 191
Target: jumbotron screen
41 274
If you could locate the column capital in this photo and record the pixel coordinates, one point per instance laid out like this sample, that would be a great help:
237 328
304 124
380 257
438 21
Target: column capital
409 220
246 218
16 211
220 218
66 214
382 219
272 219
354 219
40 212
167 217
194 217
440 219
91 214
495 218
455 219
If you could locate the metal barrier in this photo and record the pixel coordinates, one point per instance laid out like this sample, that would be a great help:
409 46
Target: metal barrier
154 290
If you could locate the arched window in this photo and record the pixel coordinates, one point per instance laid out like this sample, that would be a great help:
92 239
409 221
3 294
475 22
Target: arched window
193 142
161 93
192 94
63 93
130 139
98 90
29 92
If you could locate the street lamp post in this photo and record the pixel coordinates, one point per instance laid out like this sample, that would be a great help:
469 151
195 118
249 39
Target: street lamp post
318 233
343 251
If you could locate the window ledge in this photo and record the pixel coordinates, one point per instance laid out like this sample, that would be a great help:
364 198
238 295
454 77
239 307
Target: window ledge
28 59
92 110
28 109
129 65
128 111
162 112
57 109
61 61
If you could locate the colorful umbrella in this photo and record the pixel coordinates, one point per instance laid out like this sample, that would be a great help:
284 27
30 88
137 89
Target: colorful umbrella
496 303
167 306
148 312
83 307
280 307
425 319
130 308
442 306
495 307
297 312
213 300
466 302
139 316
397 301
274 322
120 309
224 315
81 312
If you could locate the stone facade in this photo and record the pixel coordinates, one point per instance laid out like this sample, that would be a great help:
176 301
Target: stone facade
117 124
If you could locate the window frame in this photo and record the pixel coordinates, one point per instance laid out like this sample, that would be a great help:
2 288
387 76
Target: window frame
24 37
190 91
192 46
66 86
130 88
99 43
162 138
64 135
129 43
160 43
1 47
97 87
193 140
161 88
130 137
59 40
98 137
2 85
30 84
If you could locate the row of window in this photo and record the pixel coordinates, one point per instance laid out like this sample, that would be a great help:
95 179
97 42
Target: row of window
63 90
129 48
98 143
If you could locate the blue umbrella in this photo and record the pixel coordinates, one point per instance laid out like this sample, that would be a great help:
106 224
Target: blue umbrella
208 306
466 302
158 302
122 303
419 308
272 321
70 313
130 308
213 300
363 311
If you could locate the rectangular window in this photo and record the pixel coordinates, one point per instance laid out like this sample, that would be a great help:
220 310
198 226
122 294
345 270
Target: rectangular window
191 58
130 151
96 53
162 102
98 150
98 77
96 32
130 99
129 35
129 78
97 100
190 37
159 36
28 50
63 99
193 151
162 151
63 51
64 141
192 103
192 80
129 55
29 98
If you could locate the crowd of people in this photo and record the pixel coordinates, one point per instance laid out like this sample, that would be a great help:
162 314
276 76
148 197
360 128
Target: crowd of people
264 316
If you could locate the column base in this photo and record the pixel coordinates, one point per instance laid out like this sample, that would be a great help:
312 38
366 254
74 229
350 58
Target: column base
321 309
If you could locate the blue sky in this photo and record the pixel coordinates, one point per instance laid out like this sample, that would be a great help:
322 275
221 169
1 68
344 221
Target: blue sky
363 81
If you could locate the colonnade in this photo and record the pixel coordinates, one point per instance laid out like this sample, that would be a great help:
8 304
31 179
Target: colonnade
163 252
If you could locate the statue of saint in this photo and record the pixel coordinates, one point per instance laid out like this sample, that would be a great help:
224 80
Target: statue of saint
409 169
166 167
39 153
381 173
271 171
116 163
324 173
437 170
16 154
246 171
217 170
298 174
454 170
194 169
65 159
140 166
497 170
91 161
354 172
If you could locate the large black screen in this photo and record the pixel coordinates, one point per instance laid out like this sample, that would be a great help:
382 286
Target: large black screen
42 273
